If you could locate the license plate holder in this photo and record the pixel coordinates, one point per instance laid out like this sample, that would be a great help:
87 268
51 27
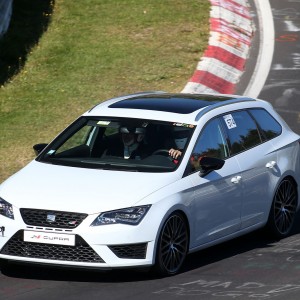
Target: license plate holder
49 238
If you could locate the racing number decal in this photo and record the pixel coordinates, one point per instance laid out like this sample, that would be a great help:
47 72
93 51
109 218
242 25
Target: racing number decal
229 121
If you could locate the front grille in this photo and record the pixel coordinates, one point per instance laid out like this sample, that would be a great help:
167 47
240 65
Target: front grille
50 218
135 251
81 252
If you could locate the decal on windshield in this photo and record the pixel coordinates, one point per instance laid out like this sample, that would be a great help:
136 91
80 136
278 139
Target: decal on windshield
184 125
229 120
103 123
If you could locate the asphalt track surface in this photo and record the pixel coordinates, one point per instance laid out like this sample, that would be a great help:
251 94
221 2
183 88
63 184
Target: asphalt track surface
282 87
250 267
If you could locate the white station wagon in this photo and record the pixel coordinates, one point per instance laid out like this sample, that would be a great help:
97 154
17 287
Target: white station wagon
143 180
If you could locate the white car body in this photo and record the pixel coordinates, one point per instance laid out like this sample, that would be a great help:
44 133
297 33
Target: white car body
222 204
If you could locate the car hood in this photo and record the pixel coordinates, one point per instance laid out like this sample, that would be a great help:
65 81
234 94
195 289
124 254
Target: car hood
46 186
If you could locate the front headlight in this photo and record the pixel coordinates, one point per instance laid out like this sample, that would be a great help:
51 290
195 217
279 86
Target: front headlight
6 209
130 216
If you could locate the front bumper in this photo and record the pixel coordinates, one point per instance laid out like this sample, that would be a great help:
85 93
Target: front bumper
81 255
101 247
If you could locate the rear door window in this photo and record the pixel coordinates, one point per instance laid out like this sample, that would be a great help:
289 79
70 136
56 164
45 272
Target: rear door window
242 131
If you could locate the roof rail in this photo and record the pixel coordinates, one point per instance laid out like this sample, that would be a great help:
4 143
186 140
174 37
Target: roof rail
220 104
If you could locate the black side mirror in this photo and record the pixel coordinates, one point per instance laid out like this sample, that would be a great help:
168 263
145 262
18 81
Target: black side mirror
38 148
208 164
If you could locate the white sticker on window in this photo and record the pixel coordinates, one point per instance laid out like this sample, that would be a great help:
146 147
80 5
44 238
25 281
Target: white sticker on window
103 123
229 120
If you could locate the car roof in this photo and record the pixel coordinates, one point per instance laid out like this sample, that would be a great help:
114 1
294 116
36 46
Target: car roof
146 104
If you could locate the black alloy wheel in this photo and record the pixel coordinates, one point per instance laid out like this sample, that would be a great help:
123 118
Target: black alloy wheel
172 245
283 211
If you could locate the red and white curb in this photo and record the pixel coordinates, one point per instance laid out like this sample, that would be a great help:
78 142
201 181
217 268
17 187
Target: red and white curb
223 62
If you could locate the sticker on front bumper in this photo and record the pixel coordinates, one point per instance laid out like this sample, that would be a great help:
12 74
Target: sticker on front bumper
49 238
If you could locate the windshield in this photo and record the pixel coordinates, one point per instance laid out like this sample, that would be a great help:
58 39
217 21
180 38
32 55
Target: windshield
119 144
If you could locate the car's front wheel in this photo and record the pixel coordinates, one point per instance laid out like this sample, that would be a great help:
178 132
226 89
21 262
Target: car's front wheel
283 210
172 245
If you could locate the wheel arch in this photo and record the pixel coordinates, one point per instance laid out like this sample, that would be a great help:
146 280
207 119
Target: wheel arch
174 210
272 225
294 181
172 243
291 177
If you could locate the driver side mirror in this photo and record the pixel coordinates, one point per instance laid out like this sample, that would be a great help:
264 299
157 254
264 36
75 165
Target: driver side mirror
38 148
208 164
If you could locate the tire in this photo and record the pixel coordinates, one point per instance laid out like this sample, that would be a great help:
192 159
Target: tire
283 210
172 245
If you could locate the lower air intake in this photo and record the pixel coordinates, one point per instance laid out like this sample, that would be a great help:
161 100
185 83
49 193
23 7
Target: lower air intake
134 251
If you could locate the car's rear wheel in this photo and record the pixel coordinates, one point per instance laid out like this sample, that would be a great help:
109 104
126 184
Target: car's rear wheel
283 210
172 245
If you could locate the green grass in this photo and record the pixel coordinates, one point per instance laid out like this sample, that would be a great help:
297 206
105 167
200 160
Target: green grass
92 50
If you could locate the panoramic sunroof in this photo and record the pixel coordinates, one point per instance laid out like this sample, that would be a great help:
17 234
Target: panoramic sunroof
170 103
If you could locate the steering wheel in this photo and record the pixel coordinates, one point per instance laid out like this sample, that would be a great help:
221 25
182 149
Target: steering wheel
161 151
165 152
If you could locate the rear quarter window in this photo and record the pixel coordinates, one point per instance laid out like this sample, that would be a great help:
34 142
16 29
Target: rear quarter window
269 127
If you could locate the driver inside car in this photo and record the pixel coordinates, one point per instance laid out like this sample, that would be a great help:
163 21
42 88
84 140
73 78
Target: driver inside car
179 136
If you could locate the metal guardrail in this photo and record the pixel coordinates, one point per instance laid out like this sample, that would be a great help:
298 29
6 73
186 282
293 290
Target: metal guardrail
5 15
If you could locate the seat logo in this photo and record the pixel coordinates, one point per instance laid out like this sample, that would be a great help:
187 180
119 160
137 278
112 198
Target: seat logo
50 218
72 223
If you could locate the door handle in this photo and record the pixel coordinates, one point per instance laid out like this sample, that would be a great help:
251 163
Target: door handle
236 179
271 164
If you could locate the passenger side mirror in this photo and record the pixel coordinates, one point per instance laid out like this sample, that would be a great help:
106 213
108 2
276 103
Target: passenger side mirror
38 148
208 164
